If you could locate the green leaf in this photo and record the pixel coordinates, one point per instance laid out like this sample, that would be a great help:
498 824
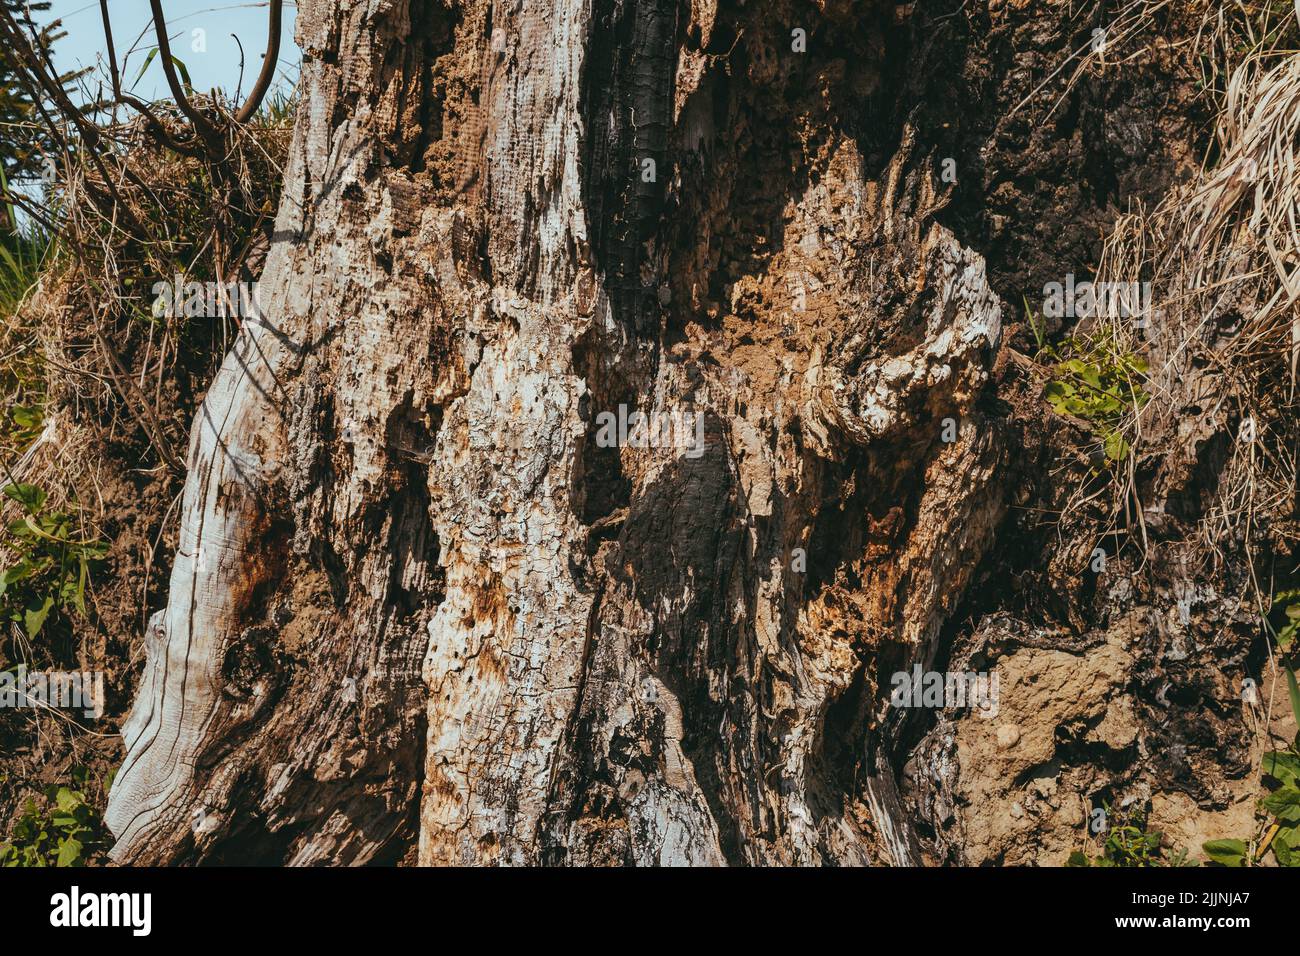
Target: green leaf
1115 447
1294 690
147 60
1286 846
1286 636
14 574
34 618
1283 767
69 852
1284 804
10 262
1077 858
1108 404
1089 373
1226 852
79 594
26 416
1057 392
185 74
29 496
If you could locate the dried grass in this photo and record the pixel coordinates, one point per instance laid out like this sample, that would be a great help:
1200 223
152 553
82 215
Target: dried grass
1222 255
117 384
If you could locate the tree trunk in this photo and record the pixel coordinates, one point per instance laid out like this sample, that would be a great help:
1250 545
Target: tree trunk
420 601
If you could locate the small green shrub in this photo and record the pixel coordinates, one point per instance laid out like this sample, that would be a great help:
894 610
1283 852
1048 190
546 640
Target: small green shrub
26 425
1280 810
22 365
1282 834
1130 844
1283 769
1100 383
52 567
1287 604
65 831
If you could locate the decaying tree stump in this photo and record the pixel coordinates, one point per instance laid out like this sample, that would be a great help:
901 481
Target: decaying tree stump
416 602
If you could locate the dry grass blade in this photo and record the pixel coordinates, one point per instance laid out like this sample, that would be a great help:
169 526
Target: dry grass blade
1222 254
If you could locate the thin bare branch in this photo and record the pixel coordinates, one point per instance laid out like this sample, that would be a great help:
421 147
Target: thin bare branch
264 78
202 125
155 124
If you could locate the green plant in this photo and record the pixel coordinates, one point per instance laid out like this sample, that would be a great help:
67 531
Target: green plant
1287 604
53 567
1037 326
65 831
1226 852
1101 383
1281 768
1130 844
278 107
27 422
27 141
1282 832
22 255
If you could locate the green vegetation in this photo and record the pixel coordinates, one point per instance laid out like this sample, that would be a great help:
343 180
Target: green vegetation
64 831
1287 604
1101 383
1130 844
1281 833
24 253
27 143
22 373
1280 810
1282 768
52 566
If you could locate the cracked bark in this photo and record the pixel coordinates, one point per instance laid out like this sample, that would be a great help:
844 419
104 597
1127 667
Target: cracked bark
416 604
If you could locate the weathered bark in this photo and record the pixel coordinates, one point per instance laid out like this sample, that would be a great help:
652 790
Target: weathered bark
417 601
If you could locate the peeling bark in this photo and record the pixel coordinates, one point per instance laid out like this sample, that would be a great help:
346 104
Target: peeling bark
417 603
